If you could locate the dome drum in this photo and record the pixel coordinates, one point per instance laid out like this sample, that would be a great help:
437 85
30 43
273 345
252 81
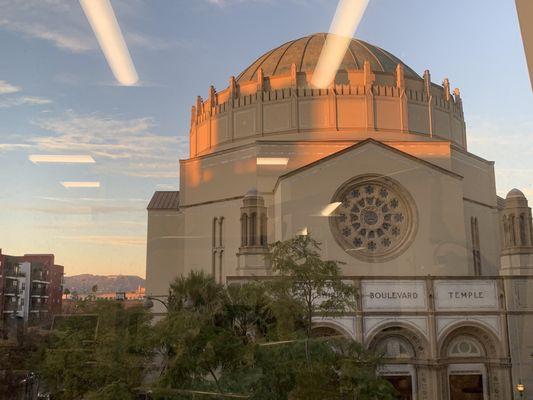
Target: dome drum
373 92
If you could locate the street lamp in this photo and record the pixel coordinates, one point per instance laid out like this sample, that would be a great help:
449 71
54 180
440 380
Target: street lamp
149 302
520 388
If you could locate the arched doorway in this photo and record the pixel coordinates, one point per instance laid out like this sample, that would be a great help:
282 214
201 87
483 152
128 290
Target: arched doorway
398 369
471 355
467 377
403 350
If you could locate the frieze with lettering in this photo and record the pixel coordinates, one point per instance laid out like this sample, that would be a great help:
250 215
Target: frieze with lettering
393 295
466 294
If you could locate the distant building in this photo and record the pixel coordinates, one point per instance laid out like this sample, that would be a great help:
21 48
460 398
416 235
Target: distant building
31 288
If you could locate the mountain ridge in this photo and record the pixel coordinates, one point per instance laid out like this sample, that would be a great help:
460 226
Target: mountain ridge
83 283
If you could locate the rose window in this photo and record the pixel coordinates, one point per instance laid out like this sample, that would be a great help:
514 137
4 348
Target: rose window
375 218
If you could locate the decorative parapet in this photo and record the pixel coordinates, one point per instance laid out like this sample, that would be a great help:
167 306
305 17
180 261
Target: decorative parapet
358 100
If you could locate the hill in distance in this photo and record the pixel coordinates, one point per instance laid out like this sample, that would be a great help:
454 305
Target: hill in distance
82 284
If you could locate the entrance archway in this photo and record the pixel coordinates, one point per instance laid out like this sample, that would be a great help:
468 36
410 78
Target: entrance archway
467 352
402 350
466 380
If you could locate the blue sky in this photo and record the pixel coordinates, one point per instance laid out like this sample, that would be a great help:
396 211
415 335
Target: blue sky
58 96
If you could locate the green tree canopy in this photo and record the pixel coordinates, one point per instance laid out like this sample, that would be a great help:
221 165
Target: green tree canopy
255 339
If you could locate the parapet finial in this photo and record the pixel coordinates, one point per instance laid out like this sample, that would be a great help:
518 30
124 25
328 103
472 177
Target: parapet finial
293 74
212 96
400 76
199 103
457 93
427 82
367 72
233 87
193 115
446 85
260 79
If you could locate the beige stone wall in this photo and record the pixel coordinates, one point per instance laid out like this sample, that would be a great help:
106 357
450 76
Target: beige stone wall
439 245
519 299
164 250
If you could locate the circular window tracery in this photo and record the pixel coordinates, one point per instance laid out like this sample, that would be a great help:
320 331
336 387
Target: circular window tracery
464 347
376 218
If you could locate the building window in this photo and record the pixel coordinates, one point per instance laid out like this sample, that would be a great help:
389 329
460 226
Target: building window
244 230
396 347
214 232
476 251
263 229
465 347
220 265
220 227
522 228
253 229
512 231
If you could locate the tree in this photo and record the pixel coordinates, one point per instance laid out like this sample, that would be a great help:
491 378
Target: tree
204 337
103 353
255 339
307 284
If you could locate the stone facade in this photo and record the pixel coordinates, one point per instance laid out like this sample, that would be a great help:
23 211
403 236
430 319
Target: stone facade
376 168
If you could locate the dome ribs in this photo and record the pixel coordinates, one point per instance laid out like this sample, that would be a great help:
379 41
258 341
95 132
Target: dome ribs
303 52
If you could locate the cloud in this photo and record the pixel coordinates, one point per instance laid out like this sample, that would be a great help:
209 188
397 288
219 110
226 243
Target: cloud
7 88
108 240
120 146
62 23
79 210
24 100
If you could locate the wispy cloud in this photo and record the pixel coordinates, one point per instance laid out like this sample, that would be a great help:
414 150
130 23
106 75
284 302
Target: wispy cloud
77 210
7 88
23 100
120 146
108 240
62 24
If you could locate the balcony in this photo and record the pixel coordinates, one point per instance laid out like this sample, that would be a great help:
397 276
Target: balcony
39 292
35 307
11 291
13 273
39 277
11 307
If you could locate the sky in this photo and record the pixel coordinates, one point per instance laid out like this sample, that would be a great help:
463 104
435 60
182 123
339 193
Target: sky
58 96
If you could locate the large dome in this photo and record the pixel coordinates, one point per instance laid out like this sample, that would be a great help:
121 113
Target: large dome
305 52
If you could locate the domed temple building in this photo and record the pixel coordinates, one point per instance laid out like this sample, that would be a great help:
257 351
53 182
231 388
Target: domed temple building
376 168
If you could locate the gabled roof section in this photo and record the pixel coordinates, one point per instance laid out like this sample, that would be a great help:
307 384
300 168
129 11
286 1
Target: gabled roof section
165 200
364 143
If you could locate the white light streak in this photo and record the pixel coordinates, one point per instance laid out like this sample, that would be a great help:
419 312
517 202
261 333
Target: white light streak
76 185
326 211
65 159
272 161
347 18
107 31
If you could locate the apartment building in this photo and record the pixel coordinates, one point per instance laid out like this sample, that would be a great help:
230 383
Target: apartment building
31 288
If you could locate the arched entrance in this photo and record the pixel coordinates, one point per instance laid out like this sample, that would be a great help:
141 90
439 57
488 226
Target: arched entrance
467 376
402 350
469 355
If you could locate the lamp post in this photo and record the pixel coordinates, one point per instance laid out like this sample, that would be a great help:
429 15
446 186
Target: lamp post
520 388
149 302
